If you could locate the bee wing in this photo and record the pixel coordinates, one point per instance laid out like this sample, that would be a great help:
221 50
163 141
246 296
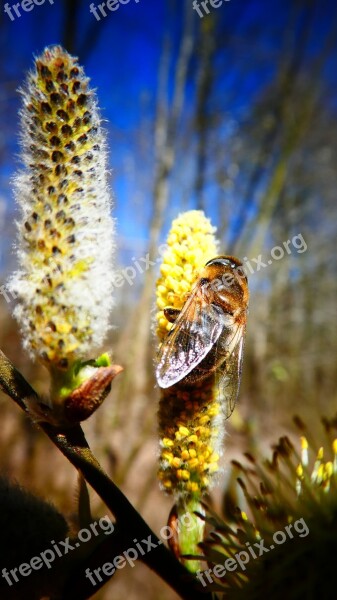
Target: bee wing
195 331
228 376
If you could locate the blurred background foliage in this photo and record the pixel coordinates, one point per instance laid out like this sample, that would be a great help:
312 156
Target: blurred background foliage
235 114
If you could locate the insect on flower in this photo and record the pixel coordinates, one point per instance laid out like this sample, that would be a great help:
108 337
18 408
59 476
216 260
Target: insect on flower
207 336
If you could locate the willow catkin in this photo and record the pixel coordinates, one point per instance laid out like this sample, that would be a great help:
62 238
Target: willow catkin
65 231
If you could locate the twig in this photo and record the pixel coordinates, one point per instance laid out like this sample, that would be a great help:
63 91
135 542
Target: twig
129 523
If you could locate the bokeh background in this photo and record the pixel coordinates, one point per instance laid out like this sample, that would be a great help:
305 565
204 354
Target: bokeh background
234 113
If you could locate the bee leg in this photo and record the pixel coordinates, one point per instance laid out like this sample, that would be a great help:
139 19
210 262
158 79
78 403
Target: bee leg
171 313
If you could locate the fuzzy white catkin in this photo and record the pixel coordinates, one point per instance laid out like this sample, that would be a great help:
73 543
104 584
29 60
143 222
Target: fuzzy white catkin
65 232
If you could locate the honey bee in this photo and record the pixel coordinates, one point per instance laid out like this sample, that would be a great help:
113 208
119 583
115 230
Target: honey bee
207 336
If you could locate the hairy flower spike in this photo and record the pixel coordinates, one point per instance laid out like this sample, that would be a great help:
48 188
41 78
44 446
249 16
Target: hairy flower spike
190 244
190 418
190 425
65 277
189 421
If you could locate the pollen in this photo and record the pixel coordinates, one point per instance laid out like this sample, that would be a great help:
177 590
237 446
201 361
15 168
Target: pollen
192 487
299 471
187 457
190 244
190 418
167 443
328 470
167 456
183 474
183 431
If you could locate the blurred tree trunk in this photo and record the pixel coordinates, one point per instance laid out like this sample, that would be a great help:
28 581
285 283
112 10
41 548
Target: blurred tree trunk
76 40
136 353
278 127
203 118
70 25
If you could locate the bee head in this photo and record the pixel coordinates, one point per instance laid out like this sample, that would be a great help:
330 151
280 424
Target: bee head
230 262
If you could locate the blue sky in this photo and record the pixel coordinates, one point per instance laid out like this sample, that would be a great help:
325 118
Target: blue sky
123 67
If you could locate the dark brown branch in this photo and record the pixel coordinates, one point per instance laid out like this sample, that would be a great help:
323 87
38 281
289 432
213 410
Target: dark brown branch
74 446
130 525
13 383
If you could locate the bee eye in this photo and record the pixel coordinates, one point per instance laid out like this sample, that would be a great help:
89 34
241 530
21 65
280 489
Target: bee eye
221 261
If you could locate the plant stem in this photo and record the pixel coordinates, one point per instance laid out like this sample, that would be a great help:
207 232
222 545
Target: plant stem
129 523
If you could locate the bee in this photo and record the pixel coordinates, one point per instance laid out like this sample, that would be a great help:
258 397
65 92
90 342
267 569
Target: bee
207 336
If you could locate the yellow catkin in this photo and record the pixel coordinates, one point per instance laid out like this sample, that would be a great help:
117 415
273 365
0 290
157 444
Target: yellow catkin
189 417
190 244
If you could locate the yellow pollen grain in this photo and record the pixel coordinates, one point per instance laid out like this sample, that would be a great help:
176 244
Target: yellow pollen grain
184 431
167 443
64 327
161 303
214 410
192 486
320 472
204 420
167 456
304 443
164 269
213 468
299 471
183 474
328 470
